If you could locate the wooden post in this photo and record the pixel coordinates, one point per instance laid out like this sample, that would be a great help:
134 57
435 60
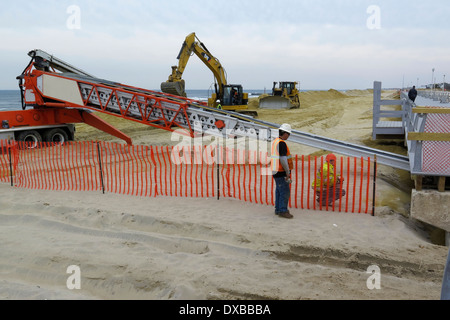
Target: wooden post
441 184
418 182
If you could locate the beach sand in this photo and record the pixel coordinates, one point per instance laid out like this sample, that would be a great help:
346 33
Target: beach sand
129 247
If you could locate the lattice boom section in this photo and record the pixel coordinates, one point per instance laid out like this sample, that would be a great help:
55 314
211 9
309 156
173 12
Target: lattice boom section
160 111
134 105
436 154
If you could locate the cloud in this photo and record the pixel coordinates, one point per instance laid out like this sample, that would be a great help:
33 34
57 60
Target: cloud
323 44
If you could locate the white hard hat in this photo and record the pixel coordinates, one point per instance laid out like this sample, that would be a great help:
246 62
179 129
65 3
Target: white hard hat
286 128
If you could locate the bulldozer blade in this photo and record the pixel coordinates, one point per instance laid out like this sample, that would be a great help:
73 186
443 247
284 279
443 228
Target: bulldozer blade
175 88
275 102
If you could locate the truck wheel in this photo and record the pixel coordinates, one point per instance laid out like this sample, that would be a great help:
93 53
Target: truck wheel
57 135
32 138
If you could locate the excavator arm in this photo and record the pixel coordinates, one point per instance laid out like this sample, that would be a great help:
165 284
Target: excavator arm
192 45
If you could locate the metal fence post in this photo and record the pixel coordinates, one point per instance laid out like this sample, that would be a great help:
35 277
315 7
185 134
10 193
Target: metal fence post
10 165
218 171
374 183
100 164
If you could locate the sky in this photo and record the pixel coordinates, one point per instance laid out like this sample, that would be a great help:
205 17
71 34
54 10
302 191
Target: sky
322 44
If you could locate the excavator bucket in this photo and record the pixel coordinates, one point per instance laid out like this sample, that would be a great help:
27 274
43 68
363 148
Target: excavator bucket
275 102
176 88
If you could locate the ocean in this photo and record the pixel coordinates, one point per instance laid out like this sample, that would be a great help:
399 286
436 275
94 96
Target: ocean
10 99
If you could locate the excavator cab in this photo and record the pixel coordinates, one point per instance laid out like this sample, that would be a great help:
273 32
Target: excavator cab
233 98
233 95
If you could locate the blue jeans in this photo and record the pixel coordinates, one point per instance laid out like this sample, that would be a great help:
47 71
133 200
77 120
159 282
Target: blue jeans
445 291
282 195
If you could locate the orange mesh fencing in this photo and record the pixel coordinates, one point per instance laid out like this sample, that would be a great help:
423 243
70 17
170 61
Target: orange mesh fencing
195 172
249 182
8 160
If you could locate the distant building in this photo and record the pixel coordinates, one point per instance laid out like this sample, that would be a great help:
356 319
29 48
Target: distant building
436 86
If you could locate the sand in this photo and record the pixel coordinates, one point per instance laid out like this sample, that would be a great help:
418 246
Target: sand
128 247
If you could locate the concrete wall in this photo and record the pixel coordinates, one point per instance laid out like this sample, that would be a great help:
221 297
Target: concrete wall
432 207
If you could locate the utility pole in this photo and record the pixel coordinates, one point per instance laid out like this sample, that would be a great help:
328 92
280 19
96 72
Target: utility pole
432 80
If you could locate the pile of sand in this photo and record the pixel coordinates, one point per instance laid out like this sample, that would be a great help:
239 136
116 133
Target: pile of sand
183 248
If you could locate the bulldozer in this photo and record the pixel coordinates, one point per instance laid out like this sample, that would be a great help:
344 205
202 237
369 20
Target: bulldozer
285 95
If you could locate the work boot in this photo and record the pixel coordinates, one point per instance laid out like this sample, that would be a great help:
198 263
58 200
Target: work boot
277 213
286 215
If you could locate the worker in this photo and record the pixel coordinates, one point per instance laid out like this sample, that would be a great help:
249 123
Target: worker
328 185
412 94
234 96
282 165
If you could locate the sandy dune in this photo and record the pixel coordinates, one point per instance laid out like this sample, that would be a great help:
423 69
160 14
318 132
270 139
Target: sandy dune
181 248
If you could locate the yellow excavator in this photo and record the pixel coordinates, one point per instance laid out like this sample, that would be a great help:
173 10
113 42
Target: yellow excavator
285 95
226 96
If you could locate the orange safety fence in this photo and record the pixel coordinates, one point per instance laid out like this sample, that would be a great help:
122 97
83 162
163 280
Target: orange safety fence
202 171
8 160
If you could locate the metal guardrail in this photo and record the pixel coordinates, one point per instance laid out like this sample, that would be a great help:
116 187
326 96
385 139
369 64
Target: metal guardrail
352 150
